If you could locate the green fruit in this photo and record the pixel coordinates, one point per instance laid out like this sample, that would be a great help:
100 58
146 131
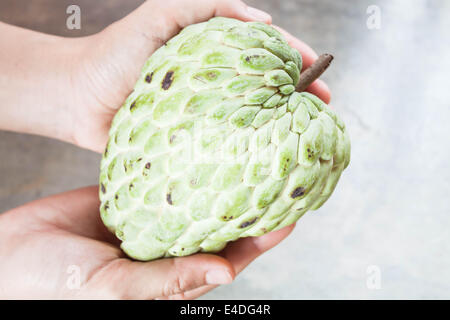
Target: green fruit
213 144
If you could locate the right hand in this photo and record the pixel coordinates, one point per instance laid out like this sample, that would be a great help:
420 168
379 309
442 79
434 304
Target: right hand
42 239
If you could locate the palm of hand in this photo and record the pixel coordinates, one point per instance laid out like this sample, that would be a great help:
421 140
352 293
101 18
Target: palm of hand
106 73
58 247
47 238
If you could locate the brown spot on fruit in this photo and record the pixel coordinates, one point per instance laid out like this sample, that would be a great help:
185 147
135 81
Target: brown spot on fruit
298 192
247 58
133 105
172 138
148 165
167 81
116 197
212 75
102 187
248 223
148 77
169 199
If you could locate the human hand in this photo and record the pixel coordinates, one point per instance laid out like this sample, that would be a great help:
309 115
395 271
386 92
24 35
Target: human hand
110 67
70 88
41 240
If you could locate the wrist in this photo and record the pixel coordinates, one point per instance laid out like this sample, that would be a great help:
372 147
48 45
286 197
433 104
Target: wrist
62 99
37 73
57 91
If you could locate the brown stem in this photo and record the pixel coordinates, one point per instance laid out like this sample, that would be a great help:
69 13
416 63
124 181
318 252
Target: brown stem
314 71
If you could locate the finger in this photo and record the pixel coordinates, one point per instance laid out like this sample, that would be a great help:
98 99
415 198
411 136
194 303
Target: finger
308 54
165 277
240 253
191 294
239 10
320 89
168 17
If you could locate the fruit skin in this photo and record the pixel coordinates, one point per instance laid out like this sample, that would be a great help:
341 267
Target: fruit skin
213 144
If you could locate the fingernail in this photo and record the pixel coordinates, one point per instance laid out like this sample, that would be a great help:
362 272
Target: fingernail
218 277
259 15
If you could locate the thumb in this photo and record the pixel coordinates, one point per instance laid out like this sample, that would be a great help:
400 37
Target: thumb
126 279
163 19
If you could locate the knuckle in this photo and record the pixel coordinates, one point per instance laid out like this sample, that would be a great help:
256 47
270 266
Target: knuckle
172 287
178 282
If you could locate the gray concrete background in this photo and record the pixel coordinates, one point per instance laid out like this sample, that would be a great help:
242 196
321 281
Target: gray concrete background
391 208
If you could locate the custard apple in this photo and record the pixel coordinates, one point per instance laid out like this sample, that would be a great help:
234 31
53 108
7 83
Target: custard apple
215 144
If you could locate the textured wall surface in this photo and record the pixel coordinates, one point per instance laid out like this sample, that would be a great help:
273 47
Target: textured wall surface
391 208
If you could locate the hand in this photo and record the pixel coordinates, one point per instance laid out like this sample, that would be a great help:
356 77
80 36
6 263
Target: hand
41 240
70 88
112 66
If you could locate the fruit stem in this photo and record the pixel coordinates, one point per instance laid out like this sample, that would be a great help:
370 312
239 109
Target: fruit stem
314 71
